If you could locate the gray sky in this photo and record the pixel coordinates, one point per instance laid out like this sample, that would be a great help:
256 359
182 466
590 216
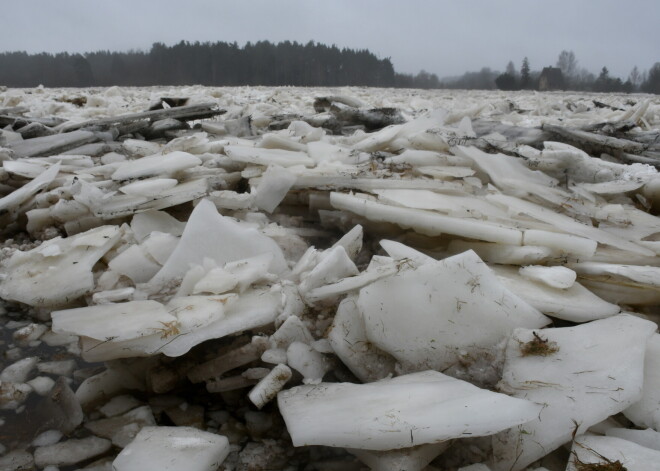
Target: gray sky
441 36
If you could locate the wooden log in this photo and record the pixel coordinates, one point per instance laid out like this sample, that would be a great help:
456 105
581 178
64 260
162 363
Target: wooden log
17 122
182 113
595 144
51 145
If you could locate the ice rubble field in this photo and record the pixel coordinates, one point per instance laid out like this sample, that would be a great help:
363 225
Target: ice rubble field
464 280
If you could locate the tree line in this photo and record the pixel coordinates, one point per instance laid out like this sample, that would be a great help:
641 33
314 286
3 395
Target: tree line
289 63
214 64
570 76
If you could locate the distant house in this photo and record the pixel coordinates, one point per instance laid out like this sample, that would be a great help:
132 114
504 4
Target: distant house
551 78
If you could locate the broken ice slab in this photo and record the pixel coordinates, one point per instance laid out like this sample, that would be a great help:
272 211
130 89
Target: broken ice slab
183 113
426 222
555 277
11 202
350 343
114 322
59 270
271 384
122 429
126 205
408 459
406 411
173 449
581 374
143 224
624 284
51 145
71 451
567 224
273 186
575 304
506 254
155 165
646 411
605 453
232 241
253 308
648 438
265 157
150 187
459 306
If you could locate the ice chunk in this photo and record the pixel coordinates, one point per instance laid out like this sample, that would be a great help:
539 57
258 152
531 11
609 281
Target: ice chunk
426 222
581 374
261 156
408 459
49 437
232 241
254 308
122 429
57 279
459 305
149 187
14 199
145 223
608 451
273 187
17 460
291 330
173 449
271 384
135 264
307 361
350 343
114 322
334 265
567 224
576 304
406 411
119 405
555 277
647 438
646 411
155 165
504 253
19 371
70 451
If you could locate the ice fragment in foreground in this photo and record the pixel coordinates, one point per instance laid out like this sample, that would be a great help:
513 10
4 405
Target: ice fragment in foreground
406 411
646 411
581 374
59 270
590 449
426 316
220 238
173 449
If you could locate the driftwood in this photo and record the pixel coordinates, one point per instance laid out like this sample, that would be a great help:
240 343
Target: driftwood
171 102
51 145
17 122
33 130
372 119
595 144
324 103
182 113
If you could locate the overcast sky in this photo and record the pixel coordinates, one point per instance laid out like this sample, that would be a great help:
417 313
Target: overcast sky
440 36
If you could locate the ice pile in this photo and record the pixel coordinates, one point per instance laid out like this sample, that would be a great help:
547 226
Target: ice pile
473 287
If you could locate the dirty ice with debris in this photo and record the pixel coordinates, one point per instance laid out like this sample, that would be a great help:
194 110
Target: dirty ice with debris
264 278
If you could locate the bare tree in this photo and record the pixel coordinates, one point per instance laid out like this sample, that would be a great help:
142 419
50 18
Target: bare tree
567 63
635 78
511 69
